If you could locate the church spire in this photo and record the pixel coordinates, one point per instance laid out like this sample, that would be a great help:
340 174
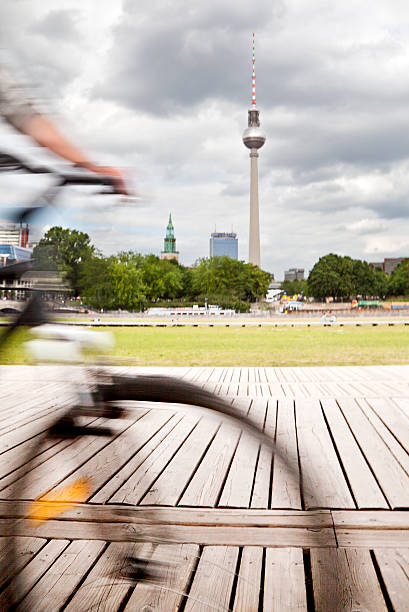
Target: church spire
169 248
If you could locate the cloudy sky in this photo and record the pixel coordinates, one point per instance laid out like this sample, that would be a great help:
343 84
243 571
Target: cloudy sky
163 88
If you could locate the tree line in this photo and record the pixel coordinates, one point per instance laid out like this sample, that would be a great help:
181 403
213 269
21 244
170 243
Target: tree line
344 278
131 281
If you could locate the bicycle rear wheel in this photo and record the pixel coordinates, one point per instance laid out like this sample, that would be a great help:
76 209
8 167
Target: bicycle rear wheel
76 548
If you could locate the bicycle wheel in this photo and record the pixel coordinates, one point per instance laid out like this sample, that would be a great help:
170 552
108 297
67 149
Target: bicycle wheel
87 543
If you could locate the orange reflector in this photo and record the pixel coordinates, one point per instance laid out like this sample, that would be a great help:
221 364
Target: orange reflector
57 502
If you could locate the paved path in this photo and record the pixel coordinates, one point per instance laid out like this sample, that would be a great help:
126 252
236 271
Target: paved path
334 537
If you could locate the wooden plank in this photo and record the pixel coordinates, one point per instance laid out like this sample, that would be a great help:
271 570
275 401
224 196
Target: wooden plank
228 375
366 491
27 431
248 585
168 594
32 572
114 483
243 389
12 462
370 529
213 581
15 457
29 409
105 588
284 583
286 481
398 451
271 374
204 488
63 577
261 488
371 538
276 389
391 477
394 566
252 375
244 375
345 580
238 486
169 487
241 405
132 491
99 469
403 404
170 533
47 475
398 519
110 513
262 375
235 377
323 481
252 389
26 549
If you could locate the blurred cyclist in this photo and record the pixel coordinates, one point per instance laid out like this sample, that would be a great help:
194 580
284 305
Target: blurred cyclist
23 116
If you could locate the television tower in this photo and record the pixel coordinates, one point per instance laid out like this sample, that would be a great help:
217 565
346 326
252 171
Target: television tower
254 139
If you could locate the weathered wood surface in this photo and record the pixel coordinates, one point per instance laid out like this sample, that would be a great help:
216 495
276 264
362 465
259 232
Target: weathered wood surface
238 520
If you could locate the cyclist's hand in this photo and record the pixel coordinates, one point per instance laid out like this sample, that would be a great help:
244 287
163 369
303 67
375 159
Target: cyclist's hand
117 175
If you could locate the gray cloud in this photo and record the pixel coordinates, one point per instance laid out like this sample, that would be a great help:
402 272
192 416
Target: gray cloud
185 56
58 25
165 87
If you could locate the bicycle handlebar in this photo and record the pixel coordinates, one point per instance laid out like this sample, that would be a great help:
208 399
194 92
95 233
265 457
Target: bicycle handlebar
10 163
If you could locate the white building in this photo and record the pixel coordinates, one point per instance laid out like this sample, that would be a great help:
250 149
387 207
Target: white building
13 234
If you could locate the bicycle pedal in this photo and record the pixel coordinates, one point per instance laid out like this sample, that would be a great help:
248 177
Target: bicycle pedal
114 412
98 409
139 569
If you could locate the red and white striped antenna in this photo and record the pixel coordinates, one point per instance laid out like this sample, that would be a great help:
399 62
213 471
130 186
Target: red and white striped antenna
254 78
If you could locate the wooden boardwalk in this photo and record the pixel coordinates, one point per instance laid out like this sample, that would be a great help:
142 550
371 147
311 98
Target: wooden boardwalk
248 536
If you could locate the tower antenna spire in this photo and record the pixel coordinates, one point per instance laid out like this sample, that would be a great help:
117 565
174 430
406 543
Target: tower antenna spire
253 100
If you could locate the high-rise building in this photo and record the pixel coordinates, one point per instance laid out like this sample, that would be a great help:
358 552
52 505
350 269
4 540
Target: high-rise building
223 244
13 234
389 264
294 274
169 248
254 139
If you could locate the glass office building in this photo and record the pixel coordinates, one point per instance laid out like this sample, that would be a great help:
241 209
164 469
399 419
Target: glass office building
224 244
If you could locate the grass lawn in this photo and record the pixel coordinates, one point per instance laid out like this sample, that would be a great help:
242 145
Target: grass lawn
265 346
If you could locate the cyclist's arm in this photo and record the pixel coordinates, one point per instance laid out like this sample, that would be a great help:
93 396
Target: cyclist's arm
20 113
41 130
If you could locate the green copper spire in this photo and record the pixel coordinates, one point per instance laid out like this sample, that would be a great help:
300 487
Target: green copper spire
170 240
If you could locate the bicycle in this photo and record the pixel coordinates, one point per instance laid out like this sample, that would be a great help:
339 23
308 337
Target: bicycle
93 417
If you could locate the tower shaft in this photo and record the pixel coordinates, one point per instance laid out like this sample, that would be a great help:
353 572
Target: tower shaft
254 237
254 139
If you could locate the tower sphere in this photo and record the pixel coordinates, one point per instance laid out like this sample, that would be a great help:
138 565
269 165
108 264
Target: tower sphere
254 137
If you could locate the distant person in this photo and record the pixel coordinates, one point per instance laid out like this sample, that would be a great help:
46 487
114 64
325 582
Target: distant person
333 319
323 318
22 115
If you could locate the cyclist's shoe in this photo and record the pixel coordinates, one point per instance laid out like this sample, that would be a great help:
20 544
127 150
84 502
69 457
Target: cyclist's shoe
67 428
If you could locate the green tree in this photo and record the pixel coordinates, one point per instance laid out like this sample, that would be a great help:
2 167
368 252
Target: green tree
225 278
343 277
96 283
162 277
295 287
399 280
128 285
66 250
325 279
